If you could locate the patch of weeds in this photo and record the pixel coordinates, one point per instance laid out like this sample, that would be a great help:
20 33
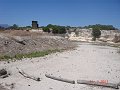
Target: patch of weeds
5 57
29 55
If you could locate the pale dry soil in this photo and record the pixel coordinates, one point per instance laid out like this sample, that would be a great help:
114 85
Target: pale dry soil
86 62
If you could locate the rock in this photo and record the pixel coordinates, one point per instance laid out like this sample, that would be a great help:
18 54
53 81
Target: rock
3 72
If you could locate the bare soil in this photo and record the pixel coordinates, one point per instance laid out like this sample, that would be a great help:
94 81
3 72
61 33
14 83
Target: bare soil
22 42
86 62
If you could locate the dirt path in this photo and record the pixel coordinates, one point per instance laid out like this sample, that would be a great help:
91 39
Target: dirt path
86 62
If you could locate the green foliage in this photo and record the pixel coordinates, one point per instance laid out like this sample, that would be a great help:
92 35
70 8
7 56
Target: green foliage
29 55
15 27
28 27
101 27
46 29
59 30
96 33
5 57
51 26
56 29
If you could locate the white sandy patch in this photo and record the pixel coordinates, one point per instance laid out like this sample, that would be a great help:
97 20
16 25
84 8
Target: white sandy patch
87 62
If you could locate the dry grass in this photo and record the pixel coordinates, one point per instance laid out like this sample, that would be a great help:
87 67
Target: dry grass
21 33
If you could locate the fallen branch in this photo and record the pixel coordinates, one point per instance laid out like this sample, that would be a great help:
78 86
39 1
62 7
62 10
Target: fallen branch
28 76
111 85
60 79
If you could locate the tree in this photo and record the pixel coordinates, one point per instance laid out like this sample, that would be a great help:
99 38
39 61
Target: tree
101 27
96 33
46 29
56 29
15 26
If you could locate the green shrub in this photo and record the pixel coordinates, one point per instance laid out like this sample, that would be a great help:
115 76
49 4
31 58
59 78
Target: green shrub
29 55
96 33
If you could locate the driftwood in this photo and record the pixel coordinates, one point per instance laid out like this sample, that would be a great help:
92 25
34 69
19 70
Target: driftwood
111 85
28 76
60 79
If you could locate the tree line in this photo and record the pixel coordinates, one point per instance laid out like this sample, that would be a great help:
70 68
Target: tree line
57 29
101 27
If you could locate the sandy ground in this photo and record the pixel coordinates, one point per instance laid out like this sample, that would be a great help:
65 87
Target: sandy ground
86 62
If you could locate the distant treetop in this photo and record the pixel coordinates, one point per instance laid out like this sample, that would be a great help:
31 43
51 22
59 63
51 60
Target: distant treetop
101 27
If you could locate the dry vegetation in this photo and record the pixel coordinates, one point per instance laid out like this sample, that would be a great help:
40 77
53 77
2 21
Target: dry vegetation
21 33
19 44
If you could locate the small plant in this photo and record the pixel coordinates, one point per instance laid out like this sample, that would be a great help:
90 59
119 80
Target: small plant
5 57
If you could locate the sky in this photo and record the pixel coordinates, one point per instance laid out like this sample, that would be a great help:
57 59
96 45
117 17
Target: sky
60 12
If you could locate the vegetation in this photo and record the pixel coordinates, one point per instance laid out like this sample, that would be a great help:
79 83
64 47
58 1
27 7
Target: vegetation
14 26
101 27
29 55
96 33
55 29
46 29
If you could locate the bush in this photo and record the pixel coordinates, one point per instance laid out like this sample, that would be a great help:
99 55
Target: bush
96 33
101 27
55 29
46 29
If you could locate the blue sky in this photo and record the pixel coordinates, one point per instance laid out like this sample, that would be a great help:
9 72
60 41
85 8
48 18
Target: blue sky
60 12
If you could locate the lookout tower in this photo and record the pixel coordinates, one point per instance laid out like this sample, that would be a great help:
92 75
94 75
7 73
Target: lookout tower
34 24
